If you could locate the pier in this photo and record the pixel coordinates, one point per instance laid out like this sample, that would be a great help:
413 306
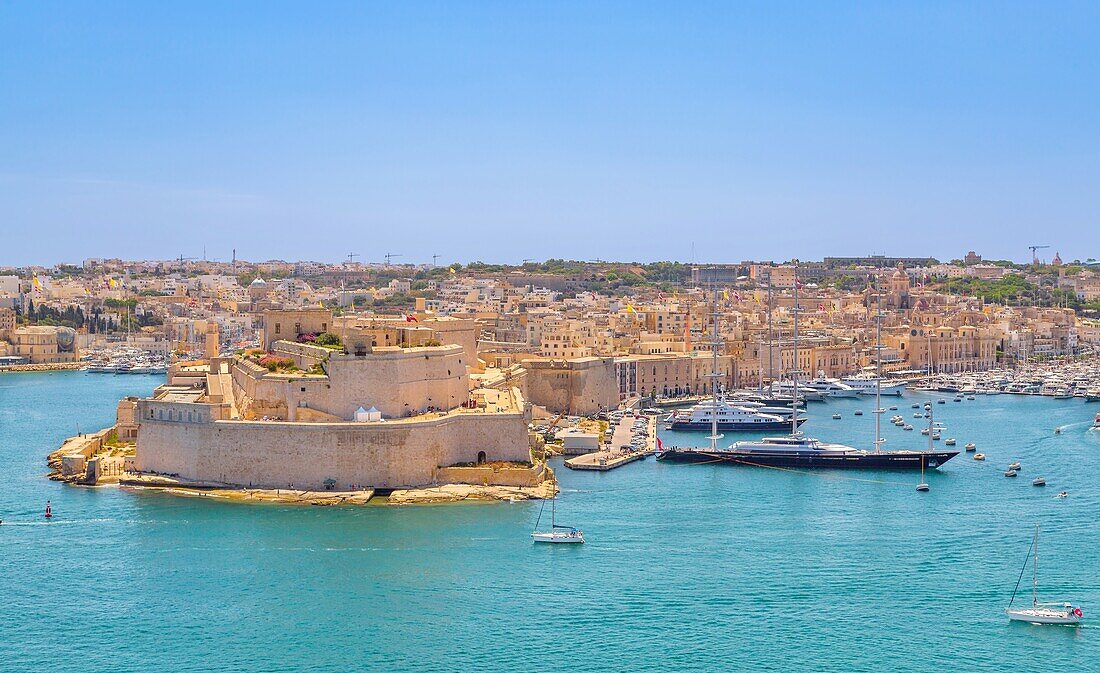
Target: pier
616 455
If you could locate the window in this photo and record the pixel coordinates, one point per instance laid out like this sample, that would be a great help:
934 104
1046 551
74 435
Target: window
278 328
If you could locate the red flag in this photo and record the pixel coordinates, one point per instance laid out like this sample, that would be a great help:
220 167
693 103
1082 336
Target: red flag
660 446
410 318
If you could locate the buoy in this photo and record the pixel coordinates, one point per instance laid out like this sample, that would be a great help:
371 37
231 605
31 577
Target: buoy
49 510
1057 431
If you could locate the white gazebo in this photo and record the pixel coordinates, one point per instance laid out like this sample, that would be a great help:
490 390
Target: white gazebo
367 415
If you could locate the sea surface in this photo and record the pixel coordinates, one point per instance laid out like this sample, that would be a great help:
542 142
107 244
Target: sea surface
687 568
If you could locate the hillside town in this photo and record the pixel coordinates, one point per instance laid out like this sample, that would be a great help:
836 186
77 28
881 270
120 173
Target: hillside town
612 330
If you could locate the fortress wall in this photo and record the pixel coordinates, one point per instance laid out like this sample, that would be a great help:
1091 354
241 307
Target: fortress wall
275 454
396 380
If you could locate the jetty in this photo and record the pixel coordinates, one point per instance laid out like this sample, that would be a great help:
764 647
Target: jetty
621 451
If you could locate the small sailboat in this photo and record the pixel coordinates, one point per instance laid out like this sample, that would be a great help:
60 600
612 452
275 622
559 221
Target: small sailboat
558 534
1040 613
923 485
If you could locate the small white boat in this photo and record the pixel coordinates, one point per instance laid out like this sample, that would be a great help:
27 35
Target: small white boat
1041 613
570 536
970 446
836 417
1039 481
1014 466
950 441
979 456
1011 473
907 427
557 534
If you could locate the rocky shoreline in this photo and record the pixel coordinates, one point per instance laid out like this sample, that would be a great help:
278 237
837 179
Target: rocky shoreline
432 495
43 367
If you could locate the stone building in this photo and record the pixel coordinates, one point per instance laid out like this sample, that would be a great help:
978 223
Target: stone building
234 422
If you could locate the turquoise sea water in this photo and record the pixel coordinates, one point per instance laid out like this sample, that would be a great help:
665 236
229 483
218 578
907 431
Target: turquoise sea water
688 568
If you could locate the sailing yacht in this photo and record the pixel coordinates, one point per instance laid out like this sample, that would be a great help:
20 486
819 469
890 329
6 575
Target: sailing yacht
1041 613
558 534
798 450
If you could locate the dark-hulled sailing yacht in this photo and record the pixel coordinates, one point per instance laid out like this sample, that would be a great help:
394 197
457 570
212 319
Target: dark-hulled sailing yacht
798 450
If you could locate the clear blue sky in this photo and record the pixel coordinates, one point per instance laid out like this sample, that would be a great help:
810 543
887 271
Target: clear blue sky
503 131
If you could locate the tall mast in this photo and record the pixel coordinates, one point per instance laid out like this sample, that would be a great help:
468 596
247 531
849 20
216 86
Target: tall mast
714 436
771 336
878 368
794 369
1035 572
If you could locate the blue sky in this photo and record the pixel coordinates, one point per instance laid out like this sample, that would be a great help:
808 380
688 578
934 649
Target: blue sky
504 131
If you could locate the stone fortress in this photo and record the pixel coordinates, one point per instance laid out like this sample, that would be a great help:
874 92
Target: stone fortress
353 417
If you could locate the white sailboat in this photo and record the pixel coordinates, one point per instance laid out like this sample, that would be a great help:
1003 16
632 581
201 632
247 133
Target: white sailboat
558 534
1041 613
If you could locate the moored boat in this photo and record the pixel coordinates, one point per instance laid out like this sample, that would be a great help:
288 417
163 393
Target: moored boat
1041 613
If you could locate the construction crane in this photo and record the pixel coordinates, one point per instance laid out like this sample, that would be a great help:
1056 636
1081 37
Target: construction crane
352 256
183 259
435 258
1034 257
390 255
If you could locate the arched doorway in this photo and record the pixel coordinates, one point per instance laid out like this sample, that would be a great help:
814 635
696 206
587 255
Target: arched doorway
480 457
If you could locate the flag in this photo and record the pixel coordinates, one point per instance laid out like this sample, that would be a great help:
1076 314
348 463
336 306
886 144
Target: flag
36 283
725 295
111 282
630 309
660 446
409 318
756 296
452 269
737 296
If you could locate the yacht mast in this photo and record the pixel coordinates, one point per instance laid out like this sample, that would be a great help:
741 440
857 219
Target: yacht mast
794 369
714 436
1035 572
878 368
771 337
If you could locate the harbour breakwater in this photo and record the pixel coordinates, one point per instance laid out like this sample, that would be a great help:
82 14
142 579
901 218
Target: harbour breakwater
43 367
